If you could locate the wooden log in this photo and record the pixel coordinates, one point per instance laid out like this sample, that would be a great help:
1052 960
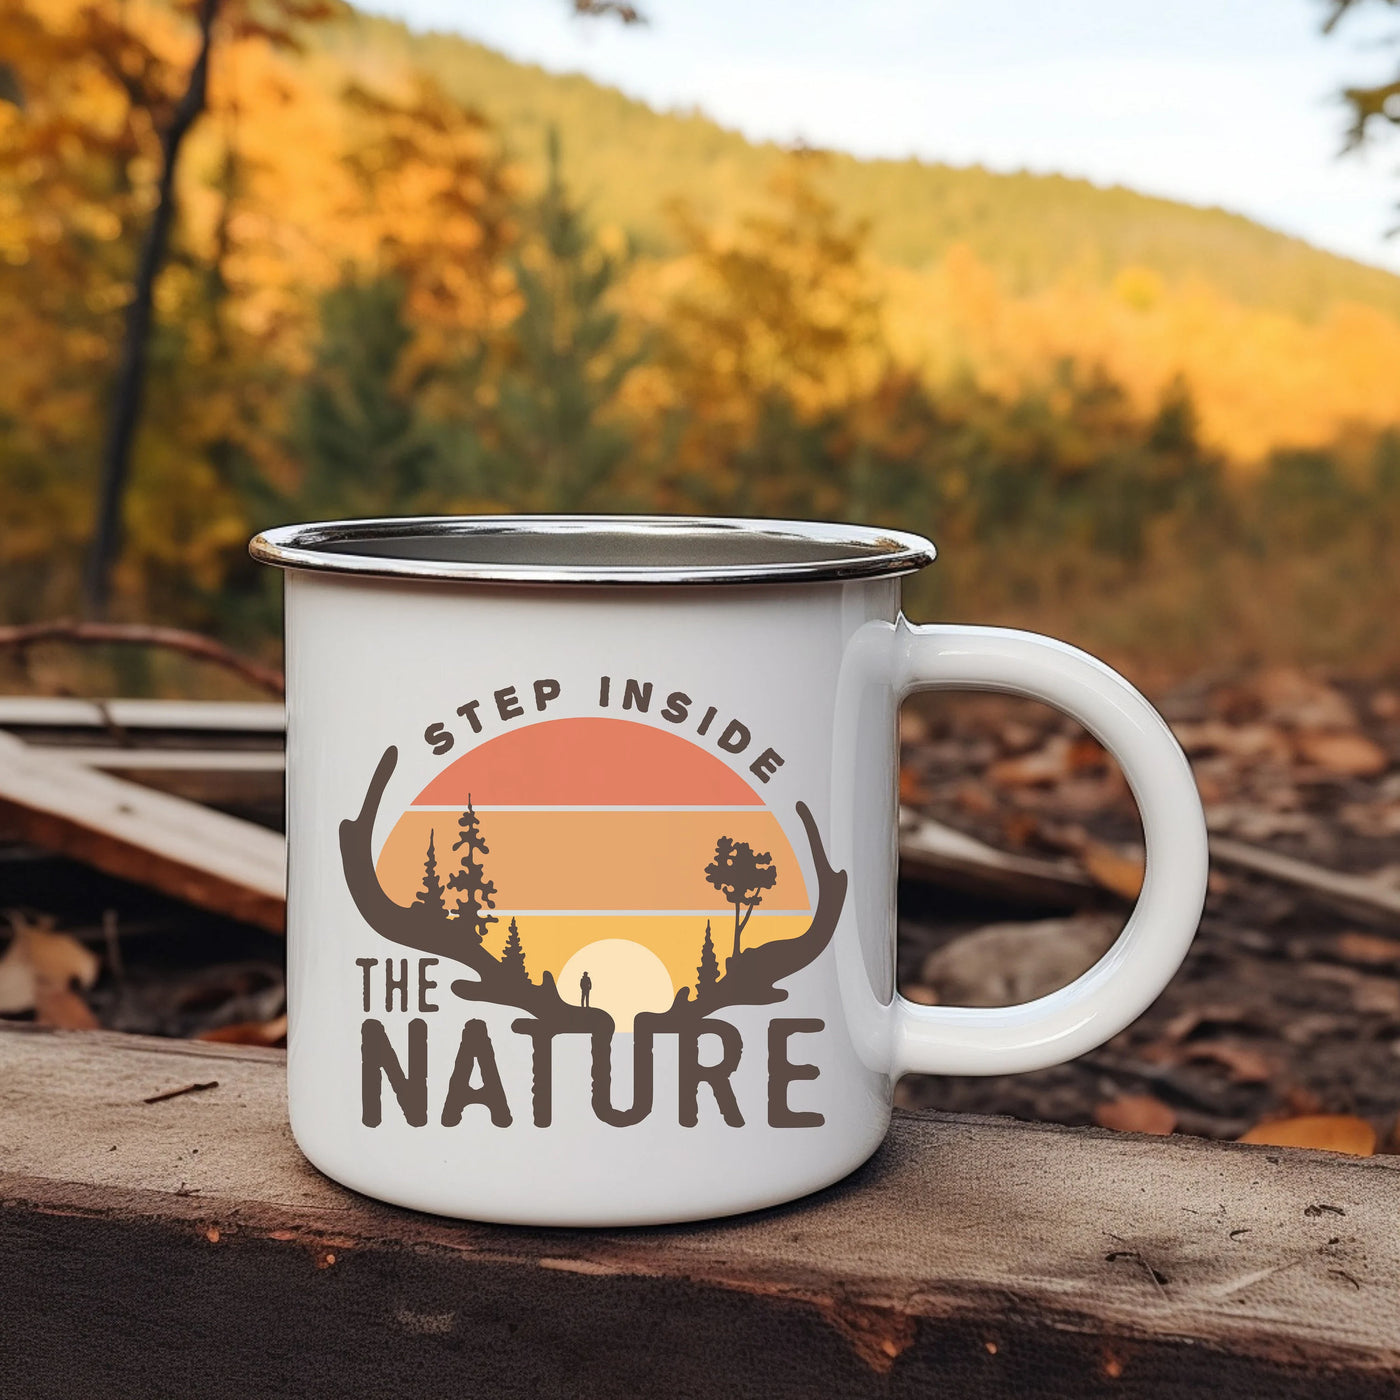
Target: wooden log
183 1246
30 712
204 857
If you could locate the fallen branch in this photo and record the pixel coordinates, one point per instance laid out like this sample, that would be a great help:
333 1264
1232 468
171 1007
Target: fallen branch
183 1089
1364 896
144 635
940 855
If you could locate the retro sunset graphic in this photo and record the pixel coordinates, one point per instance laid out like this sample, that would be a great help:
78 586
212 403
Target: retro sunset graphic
625 866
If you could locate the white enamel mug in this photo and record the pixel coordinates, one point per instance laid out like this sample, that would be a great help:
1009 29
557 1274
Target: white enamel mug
592 834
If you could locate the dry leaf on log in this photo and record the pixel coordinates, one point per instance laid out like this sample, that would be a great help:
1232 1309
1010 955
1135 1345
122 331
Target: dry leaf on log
1325 1132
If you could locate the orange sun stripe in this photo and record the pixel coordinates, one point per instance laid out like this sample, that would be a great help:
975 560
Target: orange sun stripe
593 762
595 860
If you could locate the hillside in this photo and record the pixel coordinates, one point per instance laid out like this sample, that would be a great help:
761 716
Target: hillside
629 161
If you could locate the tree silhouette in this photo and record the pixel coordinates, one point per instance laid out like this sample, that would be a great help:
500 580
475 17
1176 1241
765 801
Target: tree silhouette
707 974
513 954
430 896
741 875
468 880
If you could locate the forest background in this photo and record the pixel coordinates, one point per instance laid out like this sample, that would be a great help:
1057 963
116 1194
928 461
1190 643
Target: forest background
405 275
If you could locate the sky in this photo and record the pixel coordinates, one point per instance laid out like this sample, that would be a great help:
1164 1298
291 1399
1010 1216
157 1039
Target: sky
1215 102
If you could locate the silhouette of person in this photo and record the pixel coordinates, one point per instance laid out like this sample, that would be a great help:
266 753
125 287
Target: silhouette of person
585 985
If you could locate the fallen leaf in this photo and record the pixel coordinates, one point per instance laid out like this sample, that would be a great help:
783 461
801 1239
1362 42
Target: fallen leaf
1372 818
1300 1102
1385 704
63 1008
1086 754
1251 822
1135 1113
1118 871
38 959
1246 743
1292 697
1379 996
1326 1132
1212 1013
1016 736
1369 948
913 727
17 982
912 789
1313 1026
1043 766
921 996
249 1032
1244 1064
1346 754
975 800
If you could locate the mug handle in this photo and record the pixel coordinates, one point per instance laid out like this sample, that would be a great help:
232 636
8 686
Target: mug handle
1129 977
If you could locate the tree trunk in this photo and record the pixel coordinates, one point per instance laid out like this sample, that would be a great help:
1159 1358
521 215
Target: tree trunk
129 390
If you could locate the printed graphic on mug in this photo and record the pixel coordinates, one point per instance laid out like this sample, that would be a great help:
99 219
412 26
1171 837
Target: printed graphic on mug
612 881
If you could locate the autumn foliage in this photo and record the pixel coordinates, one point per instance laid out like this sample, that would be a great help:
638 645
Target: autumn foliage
385 292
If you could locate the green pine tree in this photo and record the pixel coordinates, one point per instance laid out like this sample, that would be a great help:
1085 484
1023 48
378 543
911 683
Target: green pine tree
551 441
707 974
357 434
513 955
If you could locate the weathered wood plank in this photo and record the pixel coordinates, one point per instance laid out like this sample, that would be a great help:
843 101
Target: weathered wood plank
185 1247
204 857
215 716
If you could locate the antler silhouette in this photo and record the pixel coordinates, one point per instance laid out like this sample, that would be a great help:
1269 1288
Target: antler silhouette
749 980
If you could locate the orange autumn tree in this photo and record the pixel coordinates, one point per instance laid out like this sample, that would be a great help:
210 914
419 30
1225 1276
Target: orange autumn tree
768 328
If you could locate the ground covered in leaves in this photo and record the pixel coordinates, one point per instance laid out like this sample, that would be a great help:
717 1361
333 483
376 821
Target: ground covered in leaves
1288 1005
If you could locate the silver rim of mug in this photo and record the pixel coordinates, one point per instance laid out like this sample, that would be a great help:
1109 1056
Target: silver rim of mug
595 550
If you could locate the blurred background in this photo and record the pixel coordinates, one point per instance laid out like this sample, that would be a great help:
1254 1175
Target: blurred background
343 266
1098 295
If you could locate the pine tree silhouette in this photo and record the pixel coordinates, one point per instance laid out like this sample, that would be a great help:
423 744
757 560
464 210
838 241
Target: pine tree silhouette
468 880
513 955
707 974
430 896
